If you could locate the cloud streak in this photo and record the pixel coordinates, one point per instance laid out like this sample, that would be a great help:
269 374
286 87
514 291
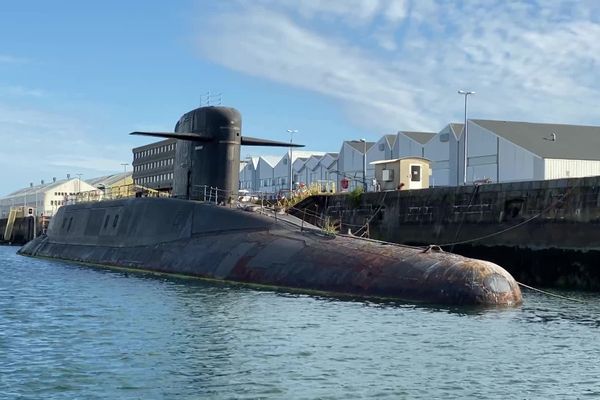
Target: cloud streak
397 64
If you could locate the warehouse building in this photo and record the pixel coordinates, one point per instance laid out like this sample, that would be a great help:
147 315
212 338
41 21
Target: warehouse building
46 198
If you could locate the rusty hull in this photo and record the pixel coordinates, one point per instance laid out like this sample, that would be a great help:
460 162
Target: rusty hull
191 238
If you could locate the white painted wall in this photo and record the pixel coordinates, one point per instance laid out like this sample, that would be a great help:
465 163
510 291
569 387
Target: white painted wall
516 163
248 175
350 165
559 168
281 173
491 156
47 200
406 147
438 152
265 173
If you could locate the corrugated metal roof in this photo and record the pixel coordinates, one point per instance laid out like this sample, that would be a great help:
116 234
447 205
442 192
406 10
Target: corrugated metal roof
37 188
46 187
391 140
108 180
358 145
419 137
457 129
271 160
573 142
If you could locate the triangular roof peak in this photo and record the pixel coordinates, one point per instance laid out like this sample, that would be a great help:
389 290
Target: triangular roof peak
419 137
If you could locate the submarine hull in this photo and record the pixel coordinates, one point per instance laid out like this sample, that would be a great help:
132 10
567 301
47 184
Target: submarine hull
209 241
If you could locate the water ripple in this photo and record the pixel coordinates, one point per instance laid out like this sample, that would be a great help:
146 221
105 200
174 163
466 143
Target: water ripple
68 331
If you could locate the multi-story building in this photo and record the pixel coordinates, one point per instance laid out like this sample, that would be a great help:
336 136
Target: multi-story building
153 165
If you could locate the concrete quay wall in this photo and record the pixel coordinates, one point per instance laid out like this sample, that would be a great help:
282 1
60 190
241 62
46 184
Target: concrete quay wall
543 232
22 230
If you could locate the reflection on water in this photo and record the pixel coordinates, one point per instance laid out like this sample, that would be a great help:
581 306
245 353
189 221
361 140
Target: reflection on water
68 331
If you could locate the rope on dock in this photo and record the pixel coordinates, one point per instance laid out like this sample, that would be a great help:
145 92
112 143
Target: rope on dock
550 293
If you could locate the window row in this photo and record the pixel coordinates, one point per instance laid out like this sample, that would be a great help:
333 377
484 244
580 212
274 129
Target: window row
57 202
153 151
154 179
273 181
153 164
63 194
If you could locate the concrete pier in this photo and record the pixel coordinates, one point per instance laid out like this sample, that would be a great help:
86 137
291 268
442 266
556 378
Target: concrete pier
544 232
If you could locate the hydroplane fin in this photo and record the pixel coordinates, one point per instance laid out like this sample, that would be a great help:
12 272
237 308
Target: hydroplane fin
196 137
250 141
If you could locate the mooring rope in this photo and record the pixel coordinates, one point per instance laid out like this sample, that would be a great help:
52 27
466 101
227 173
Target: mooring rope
551 206
550 293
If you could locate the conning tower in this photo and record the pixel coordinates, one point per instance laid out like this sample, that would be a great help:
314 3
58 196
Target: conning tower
207 152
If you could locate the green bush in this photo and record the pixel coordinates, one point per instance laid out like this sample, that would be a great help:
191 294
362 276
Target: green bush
356 195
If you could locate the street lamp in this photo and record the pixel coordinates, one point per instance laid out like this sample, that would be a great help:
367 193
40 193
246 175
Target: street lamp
79 182
124 172
465 93
364 164
291 132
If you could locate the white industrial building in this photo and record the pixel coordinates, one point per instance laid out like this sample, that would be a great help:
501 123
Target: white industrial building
281 171
351 159
326 170
411 144
498 151
45 198
438 150
507 151
248 174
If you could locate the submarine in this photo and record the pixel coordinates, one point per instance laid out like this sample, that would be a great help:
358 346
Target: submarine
216 240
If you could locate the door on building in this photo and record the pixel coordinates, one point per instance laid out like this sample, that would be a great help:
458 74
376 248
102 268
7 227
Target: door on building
415 177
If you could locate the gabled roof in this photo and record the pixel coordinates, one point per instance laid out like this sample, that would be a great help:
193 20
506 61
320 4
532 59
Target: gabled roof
271 160
457 129
38 188
573 142
359 146
46 187
304 155
328 159
419 137
391 140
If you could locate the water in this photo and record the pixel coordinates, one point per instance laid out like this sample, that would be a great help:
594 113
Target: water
69 331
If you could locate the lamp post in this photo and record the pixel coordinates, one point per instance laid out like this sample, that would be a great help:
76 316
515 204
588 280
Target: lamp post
364 164
124 172
465 93
79 183
291 132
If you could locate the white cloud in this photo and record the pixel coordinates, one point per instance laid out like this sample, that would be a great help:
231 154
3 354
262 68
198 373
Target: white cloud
41 144
396 10
527 61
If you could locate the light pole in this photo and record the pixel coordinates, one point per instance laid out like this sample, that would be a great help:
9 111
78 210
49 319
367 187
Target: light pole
124 172
465 93
364 164
79 183
291 132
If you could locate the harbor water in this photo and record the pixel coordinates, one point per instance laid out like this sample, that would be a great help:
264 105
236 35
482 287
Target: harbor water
69 331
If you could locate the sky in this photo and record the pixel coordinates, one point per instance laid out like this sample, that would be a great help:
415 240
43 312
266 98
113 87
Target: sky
77 76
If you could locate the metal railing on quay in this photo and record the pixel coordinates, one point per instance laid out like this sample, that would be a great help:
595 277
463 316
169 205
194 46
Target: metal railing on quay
114 193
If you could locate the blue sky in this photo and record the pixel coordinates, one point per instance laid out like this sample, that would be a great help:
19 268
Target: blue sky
77 76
